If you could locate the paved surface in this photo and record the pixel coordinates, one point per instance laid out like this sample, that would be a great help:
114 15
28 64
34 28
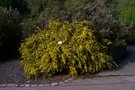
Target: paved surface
121 79
127 67
103 83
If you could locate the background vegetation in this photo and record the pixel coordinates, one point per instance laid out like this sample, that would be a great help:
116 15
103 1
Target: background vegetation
10 34
127 14
107 20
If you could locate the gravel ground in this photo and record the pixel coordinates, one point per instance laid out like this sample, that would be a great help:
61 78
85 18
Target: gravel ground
12 72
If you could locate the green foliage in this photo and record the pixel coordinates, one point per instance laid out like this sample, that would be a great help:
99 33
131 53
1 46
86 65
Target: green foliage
127 11
131 36
102 15
103 20
19 4
41 10
127 14
35 5
64 47
9 30
42 5
72 5
28 27
5 3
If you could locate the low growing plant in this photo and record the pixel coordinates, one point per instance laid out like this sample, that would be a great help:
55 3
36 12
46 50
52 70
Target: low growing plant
69 47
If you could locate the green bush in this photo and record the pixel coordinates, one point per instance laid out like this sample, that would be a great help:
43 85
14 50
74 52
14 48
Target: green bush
131 36
127 14
64 47
37 6
102 15
127 11
70 10
104 22
28 26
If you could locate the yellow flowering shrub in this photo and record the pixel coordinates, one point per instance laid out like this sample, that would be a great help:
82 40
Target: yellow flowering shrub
64 47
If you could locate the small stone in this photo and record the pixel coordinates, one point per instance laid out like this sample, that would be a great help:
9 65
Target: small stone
71 79
40 85
27 85
61 82
2 85
11 85
66 81
33 85
54 84
27 81
22 85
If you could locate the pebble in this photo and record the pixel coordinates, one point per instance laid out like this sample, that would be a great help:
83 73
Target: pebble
22 85
40 85
27 81
34 85
27 85
2 85
54 84
12 85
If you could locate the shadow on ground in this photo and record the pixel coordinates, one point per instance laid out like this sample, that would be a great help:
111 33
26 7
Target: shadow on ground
129 58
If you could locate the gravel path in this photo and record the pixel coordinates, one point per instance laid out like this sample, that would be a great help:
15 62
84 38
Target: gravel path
11 72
